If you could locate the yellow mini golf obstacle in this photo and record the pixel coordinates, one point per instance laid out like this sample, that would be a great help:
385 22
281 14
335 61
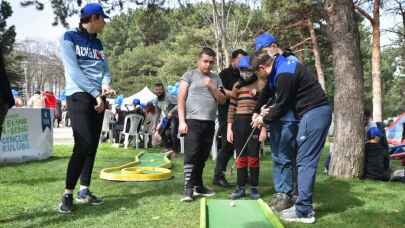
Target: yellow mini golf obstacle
146 167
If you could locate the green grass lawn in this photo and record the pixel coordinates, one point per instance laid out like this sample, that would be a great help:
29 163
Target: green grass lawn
29 194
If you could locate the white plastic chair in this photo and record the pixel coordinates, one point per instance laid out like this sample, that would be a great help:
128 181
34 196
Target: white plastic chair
214 147
135 122
147 132
181 143
107 121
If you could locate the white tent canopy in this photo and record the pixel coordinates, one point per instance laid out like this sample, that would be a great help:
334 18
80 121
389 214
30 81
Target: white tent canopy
145 96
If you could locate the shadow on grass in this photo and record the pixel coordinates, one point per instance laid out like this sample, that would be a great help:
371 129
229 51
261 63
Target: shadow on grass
334 196
363 218
372 218
112 203
31 182
45 161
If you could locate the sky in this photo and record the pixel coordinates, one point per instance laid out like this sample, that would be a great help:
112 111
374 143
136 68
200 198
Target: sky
33 24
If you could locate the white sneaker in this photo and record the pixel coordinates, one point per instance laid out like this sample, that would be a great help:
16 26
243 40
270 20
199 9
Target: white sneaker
290 215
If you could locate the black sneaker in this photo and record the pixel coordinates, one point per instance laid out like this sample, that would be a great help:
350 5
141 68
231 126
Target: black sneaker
66 204
254 193
238 193
221 182
188 195
86 197
203 191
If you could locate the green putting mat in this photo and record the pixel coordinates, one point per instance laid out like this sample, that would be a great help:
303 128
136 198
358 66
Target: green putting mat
153 160
245 214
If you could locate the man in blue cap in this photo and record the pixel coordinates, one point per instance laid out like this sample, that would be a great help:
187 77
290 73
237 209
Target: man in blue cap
17 99
298 90
283 131
376 162
88 81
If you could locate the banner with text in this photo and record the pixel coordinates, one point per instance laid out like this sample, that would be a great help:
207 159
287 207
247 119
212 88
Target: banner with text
27 135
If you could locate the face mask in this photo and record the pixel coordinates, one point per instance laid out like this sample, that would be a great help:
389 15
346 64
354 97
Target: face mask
245 74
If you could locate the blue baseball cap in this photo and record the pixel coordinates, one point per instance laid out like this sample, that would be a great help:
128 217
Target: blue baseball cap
373 132
119 100
91 9
15 93
265 40
244 62
136 101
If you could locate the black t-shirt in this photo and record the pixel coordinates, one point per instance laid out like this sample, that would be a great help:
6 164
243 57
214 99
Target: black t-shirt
229 77
374 167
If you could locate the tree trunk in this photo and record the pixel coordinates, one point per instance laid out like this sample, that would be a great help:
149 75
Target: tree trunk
401 10
302 48
217 34
375 59
375 65
348 155
224 34
317 56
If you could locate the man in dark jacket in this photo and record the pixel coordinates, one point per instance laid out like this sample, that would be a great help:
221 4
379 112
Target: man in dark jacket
229 77
296 89
6 97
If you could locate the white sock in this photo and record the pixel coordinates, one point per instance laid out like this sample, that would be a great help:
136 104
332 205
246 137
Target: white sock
82 187
68 192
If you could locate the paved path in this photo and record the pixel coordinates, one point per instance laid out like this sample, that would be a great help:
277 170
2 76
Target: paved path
63 135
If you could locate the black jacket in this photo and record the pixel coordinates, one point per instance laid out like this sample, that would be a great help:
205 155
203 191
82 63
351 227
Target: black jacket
293 88
375 162
229 76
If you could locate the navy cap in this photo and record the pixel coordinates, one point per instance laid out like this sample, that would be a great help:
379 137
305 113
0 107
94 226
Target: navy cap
136 101
244 62
373 132
265 40
91 9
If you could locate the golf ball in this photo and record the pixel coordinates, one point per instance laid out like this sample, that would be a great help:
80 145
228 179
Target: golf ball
232 204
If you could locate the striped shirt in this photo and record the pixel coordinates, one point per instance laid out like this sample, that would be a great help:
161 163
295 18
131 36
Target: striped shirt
243 100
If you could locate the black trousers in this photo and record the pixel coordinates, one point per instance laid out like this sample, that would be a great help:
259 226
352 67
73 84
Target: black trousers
174 129
226 151
248 162
166 137
169 135
197 147
86 124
